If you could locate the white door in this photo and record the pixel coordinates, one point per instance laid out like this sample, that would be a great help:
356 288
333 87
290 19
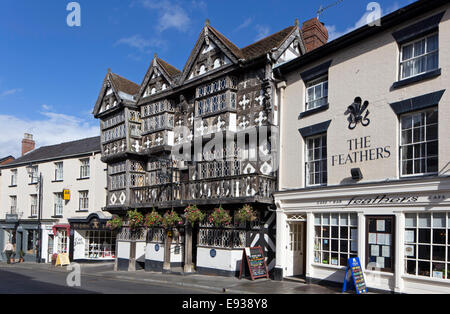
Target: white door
295 249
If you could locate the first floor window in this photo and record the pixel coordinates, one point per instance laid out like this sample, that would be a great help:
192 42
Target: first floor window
427 245
58 204
317 93
13 202
84 168
419 143
58 171
34 203
336 238
13 177
84 200
316 160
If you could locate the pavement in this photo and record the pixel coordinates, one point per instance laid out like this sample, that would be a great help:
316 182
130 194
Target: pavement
186 284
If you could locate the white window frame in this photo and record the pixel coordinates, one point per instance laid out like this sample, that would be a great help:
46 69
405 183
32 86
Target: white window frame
85 168
321 160
13 204
424 142
416 243
83 200
14 177
413 42
34 175
59 204
34 205
59 171
311 86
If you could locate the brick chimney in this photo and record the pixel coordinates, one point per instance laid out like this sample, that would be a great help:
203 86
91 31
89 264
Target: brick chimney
28 143
315 34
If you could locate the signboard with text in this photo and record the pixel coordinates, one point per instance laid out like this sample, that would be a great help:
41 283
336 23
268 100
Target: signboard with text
357 277
254 259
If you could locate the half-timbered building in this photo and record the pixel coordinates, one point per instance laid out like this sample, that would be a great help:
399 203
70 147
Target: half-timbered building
205 135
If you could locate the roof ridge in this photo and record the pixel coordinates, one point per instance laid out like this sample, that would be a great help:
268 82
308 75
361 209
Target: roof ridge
123 78
268 37
69 142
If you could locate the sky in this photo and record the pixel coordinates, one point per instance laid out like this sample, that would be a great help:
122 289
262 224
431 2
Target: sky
51 74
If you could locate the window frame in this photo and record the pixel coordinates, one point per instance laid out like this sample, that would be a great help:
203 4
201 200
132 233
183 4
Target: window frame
312 84
413 42
321 160
14 173
13 204
58 204
393 240
424 142
83 200
33 205
59 171
85 168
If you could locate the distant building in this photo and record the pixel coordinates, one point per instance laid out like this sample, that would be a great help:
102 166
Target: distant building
73 194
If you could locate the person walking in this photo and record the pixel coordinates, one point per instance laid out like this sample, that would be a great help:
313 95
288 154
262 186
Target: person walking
9 249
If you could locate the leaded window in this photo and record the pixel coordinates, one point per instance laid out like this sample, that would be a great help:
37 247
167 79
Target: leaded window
419 143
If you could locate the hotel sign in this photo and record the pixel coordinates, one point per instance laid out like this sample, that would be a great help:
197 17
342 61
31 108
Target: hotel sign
384 199
361 150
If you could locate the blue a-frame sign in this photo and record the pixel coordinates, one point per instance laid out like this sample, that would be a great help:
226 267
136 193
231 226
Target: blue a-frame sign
359 282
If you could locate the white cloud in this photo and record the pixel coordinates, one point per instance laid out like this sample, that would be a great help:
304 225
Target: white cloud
245 24
263 31
141 43
11 92
171 14
50 129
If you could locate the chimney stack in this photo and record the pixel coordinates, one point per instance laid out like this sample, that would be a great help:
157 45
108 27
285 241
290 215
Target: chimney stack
315 34
28 143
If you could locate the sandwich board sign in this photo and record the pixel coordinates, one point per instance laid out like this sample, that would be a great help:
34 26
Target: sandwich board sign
62 260
254 260
357 276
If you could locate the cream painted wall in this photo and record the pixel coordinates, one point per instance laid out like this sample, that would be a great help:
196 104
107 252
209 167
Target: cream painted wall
96 185
367 69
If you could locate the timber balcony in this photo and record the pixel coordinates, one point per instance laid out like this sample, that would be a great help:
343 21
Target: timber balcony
251 188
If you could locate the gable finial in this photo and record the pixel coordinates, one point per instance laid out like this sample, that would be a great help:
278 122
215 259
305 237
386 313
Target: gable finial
109 70
207 22
155 55
296 23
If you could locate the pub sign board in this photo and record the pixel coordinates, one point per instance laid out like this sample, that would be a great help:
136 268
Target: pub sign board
358 279
254 260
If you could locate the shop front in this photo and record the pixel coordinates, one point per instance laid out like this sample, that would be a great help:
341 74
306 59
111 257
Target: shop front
91 240
399 230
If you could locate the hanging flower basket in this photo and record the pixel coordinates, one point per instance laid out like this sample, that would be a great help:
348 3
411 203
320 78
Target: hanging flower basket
153 220
246 214
193 214
220 217
171 219
115 223
135 219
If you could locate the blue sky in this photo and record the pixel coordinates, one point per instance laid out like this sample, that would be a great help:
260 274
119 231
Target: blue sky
51 74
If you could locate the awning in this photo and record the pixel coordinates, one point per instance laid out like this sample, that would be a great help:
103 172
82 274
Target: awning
56 227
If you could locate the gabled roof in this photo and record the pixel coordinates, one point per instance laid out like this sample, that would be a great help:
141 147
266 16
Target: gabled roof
232 47
60 151
5 159
265 45
171 70
119 85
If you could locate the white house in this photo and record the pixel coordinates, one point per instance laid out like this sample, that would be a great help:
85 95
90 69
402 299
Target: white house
50 188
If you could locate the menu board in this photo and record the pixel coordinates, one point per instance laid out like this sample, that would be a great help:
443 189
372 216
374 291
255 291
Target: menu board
359 282
255 260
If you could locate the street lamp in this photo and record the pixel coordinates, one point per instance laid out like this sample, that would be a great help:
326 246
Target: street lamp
31 173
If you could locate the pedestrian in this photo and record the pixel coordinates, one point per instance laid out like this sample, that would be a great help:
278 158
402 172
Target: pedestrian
9 249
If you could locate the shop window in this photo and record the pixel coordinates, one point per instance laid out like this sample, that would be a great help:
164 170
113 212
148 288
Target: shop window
336 237
419 143
31 241
100 245
380 243
316 160
427 245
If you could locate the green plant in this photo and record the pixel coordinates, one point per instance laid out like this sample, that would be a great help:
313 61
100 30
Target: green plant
246 213
135 219
115 223
193 214
153 220
171 219
220 217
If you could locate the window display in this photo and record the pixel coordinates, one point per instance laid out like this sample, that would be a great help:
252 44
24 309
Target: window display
336 238
427 240
100 245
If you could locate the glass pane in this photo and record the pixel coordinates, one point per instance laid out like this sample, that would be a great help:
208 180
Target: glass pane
424 269
439 236
419 48
432 61
432 43
439 221
438 271
432 117
325 258
344 246
432 132
406 137
343 259
439 253
432 149
335 259
334 219
318 232
425 252
411 267
432 164
424 221
335 232
425 236
317 220
325 232
326 219
410 220
344 232
335 245
344 220
407 52
353 220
